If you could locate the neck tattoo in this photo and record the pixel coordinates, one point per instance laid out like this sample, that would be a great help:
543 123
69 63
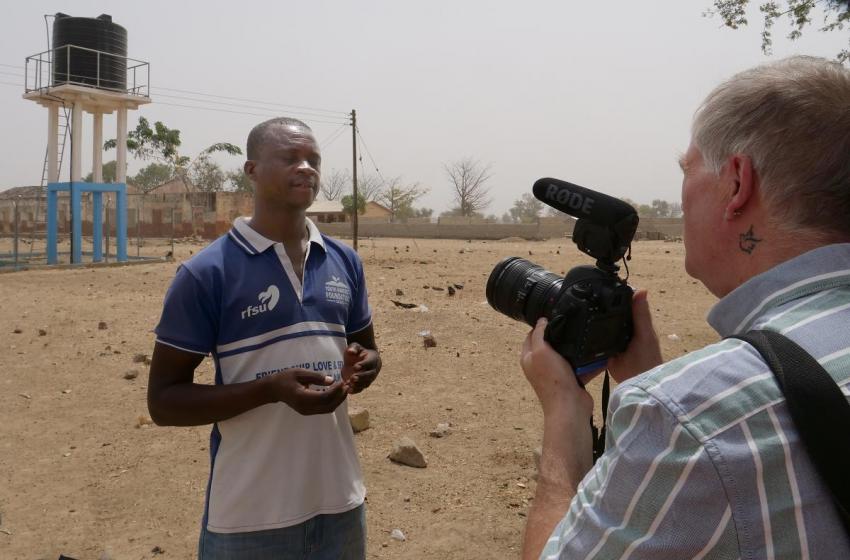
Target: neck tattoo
747 241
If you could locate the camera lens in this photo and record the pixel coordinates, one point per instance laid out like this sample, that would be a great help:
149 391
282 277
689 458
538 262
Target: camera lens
523 290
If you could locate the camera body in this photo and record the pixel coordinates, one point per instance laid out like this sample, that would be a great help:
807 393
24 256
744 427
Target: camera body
589 311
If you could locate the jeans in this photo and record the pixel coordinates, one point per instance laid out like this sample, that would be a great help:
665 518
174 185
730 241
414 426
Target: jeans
337 536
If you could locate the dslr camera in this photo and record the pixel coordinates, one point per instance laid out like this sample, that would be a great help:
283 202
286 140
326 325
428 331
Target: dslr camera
590 309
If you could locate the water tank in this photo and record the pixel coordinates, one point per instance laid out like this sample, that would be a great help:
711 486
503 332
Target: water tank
79 66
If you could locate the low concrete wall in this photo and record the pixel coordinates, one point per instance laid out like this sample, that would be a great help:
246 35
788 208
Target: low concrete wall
454 231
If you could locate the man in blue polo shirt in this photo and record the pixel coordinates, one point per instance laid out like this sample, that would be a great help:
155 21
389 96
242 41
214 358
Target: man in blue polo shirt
283 310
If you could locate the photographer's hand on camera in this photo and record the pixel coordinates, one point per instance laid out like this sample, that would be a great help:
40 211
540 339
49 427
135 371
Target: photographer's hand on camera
294 387
361 367
644 350
567 439
551 376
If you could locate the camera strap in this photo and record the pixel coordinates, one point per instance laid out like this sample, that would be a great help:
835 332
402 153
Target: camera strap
818 409
599 433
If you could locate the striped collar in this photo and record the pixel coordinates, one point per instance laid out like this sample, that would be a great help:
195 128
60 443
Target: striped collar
253 243
814 271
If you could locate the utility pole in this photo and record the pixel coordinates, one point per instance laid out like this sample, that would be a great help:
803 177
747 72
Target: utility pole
354 174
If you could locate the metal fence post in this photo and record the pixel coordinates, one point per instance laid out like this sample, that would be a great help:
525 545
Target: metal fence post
138 231
108 200
172 232
17 221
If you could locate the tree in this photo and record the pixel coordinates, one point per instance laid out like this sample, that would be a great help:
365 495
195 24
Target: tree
526 209
335 183
160 143
144 142
152 176
108 171
423 212
469 181
239 181
206 175
399 199
348 204
660 208
369 186
836 15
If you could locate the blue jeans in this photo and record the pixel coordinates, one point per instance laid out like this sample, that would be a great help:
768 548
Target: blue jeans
338 536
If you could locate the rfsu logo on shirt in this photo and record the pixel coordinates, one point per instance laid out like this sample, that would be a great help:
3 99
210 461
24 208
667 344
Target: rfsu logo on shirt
268 300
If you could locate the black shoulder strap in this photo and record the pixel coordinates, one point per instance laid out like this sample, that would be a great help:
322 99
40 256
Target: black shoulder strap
819 409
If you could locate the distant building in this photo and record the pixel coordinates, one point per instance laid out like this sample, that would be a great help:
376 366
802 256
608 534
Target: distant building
327 212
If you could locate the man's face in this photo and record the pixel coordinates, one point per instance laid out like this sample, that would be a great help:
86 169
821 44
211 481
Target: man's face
286 170
702 213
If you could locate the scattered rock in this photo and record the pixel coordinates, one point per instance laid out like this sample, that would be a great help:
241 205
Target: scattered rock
429 341
66 391
359 418
42 332
24 395
403 305
451 291
157 550
405 452
105 555
673 337
131 374
139 358
458 286
398 535
438 288
17 331
101 326
442 430
143 421
398 292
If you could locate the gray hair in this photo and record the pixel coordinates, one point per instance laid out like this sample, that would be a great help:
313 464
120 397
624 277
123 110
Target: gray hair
260 132
792 118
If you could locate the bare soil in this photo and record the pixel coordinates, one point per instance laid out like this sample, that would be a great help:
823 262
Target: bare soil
83 472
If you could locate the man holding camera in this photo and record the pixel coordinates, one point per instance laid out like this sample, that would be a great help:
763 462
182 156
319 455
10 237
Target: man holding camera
702 459
283 310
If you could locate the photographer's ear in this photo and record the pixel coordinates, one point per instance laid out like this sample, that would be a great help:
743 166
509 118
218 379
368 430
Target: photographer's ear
742 181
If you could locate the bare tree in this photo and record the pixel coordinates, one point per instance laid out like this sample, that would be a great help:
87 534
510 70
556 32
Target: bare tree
469 180
369 186
399 198
335 183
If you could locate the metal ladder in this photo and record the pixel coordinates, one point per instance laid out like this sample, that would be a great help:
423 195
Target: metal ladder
40 217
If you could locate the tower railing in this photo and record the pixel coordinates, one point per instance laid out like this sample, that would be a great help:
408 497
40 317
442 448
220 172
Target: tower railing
40 75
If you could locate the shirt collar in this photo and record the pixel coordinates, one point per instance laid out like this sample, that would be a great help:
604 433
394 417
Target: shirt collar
254 243
814 271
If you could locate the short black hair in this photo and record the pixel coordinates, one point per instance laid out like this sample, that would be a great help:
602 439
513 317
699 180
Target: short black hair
260 132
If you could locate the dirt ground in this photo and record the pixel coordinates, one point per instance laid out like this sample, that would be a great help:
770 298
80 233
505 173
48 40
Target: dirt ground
82 473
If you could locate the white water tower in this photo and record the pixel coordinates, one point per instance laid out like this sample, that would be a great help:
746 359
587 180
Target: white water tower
86 70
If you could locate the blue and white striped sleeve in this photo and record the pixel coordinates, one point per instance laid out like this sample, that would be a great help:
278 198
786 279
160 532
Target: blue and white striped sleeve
188 320
360 314
654 493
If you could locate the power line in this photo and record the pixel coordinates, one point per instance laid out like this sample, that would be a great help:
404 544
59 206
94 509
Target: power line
333 137
237 112
323 113
332 112
241 106
369 153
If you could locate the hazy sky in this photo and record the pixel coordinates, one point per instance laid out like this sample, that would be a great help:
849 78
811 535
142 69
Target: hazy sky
597 93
